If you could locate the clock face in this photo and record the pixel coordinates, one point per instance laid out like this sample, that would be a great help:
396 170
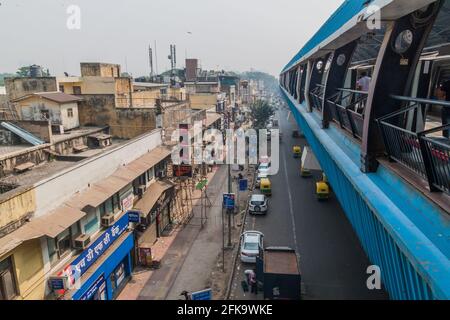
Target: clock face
341 60
403 41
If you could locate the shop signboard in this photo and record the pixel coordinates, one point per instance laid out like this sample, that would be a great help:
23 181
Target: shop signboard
229 200
97 288
58 283
182 171
204 295
243 185
89 256
127 202
134 216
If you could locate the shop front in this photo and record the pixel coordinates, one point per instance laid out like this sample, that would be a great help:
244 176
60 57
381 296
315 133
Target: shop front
155 208
102 269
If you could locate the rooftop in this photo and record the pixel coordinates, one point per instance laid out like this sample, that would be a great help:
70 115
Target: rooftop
58 97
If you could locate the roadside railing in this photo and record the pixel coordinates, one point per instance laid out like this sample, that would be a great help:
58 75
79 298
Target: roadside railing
316 95
424 152
347 110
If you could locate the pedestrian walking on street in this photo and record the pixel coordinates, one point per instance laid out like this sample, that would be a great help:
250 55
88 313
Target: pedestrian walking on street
253 282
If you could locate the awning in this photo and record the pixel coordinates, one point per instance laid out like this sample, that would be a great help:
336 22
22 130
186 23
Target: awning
16 238
111 185
57 221
92 196
309 160
151 196
51 225
136 168
212 118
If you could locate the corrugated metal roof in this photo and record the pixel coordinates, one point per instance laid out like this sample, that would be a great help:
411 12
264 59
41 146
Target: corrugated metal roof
57 221
152 195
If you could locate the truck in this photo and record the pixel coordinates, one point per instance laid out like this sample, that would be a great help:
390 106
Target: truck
278 270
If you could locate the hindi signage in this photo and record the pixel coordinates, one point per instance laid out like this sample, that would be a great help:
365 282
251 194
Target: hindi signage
89 256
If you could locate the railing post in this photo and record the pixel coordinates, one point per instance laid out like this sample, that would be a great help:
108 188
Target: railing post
342 58
427 162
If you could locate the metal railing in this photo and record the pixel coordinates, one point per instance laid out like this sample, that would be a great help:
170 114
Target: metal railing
347 109
316 95
424 152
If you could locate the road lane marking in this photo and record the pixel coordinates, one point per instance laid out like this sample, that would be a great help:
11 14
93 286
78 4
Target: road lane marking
291 207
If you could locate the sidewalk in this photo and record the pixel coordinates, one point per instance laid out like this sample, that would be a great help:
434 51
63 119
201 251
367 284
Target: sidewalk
179 268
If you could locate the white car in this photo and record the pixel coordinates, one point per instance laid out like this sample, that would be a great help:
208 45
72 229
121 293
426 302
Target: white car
252 242
264 168
258 204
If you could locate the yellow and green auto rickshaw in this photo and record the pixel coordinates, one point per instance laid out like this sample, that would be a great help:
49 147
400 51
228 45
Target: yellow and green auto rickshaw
322 190
266 187
297 151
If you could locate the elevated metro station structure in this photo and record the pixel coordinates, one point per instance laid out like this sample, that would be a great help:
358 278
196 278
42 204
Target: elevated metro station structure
386 149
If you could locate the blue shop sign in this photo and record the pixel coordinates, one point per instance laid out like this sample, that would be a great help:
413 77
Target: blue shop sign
229 201
89 256
134 216
243 185
202 295
98 285
58 283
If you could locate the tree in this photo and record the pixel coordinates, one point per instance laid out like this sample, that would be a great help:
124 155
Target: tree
23 71
260 112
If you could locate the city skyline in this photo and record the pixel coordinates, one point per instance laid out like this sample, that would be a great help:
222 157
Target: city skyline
123 34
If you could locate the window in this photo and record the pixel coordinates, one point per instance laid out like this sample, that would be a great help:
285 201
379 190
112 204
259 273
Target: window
76 90
70 113
45 114
8 290
64 243
92 225
52 250
61 88
110 206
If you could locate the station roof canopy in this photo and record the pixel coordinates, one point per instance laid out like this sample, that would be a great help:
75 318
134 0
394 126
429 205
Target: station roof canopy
349 23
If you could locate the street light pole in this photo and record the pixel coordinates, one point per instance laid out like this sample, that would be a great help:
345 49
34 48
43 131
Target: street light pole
230 212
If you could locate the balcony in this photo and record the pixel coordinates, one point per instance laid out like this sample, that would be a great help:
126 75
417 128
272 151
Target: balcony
347 110
418 144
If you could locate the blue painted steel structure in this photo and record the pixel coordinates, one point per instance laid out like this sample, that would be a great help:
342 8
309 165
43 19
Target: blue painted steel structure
415 262
400 229
344 13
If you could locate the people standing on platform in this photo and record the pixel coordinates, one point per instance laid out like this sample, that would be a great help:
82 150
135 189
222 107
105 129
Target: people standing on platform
363 84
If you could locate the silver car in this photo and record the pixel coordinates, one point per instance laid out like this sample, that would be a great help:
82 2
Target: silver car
252 243
258 204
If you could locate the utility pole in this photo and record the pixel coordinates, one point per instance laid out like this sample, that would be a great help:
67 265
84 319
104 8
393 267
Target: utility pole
230 188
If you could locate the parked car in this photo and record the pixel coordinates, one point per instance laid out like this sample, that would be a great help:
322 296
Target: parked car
258 179
252 243
258 204
264 168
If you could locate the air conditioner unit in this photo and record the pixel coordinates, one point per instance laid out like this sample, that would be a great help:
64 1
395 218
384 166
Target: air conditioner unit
108 220
82 242
141 190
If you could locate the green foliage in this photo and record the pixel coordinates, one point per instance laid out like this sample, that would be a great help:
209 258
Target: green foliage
23 71
260 112
3 76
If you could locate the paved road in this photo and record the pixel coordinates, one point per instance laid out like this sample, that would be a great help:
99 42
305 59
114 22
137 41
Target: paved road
332 260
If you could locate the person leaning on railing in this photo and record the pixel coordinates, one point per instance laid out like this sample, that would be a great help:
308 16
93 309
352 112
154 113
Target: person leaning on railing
445 88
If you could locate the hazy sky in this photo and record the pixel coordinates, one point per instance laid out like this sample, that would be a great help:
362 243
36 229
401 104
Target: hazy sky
232 35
